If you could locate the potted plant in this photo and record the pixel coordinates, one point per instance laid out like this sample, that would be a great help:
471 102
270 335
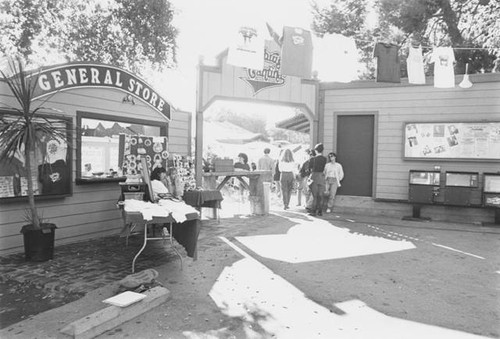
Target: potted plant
21 134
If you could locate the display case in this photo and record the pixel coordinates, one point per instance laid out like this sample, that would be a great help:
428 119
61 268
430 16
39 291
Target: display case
462 189
423 186
491 190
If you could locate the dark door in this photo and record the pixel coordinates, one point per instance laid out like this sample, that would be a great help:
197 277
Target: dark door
355 152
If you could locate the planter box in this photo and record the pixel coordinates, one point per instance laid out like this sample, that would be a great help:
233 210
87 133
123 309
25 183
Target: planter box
224 165
39 244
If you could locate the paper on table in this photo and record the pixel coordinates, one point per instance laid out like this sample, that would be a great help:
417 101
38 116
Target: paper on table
125 299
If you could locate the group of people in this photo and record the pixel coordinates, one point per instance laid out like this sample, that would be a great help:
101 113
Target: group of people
318 178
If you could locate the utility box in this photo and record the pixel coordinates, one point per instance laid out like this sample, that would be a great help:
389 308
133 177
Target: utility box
461 189
423 186
491 190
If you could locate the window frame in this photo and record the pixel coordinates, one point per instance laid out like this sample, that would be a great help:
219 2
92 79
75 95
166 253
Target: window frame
79 180
69 160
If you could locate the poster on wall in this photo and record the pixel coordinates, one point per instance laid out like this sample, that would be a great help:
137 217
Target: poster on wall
133 147
50 168
452 140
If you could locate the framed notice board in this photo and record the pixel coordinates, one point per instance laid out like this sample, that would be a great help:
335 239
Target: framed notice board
452 140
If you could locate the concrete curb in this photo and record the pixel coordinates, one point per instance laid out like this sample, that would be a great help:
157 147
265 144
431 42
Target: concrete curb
110 317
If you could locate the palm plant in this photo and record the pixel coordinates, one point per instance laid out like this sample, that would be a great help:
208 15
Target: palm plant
28 130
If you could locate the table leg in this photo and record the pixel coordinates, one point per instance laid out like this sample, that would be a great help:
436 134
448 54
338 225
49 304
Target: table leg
223 182
143 246
172 243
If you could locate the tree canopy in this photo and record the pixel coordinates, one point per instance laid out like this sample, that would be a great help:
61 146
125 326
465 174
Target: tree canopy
471 27
132 34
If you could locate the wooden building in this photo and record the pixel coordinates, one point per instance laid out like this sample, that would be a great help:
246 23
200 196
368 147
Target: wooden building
100 94
365 123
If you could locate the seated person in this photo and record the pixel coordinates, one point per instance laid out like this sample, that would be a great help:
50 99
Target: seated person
159 184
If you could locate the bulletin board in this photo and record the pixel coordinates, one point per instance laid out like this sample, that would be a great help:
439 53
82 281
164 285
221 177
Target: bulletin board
452 140
133 147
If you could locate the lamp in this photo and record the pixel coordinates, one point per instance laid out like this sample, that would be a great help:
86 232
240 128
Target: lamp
128 98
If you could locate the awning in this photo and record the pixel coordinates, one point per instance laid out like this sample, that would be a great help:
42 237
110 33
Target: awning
298 123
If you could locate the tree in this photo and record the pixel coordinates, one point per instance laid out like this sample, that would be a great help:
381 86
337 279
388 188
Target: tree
472 27
132 34
28 130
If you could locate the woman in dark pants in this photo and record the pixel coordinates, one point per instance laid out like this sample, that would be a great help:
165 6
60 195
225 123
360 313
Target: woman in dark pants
318 186
288 169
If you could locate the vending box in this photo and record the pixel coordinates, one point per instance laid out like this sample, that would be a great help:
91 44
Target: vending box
423 186
462 189
491 190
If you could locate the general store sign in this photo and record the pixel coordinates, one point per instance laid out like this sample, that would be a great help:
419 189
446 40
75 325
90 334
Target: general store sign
77 75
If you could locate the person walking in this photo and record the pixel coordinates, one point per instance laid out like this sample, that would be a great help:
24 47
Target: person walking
304 174
317 166
288 170
334 173
276 175
265 163
242 165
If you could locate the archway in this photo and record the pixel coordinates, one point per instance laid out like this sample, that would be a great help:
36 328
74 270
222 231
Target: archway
269 86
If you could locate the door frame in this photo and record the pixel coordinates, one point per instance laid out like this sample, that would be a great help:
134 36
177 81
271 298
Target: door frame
375 115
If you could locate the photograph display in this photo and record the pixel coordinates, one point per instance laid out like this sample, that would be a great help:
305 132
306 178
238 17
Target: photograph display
133 147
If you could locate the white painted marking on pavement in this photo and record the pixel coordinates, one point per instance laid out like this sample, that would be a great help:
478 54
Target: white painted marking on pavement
350 220
264 300
320 240
452 249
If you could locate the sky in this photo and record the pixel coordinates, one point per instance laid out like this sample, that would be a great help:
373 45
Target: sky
206 28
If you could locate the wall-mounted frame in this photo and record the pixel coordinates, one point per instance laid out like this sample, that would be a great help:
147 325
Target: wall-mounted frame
51 167
452 141
98 157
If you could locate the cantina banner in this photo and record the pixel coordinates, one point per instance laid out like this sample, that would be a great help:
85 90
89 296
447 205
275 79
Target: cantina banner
458 140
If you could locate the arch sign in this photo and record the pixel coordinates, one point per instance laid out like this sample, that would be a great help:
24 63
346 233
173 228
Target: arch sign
77 75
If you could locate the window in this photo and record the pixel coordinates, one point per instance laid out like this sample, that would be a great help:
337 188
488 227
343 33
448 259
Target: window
98 153
50 170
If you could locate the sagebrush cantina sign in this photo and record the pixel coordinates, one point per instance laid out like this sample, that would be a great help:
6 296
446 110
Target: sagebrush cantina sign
269 76
71 76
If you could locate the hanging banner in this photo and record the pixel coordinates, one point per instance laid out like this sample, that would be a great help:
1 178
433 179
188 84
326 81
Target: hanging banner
462 140
270 76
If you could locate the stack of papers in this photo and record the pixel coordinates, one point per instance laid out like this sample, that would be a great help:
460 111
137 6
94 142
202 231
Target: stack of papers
125 299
